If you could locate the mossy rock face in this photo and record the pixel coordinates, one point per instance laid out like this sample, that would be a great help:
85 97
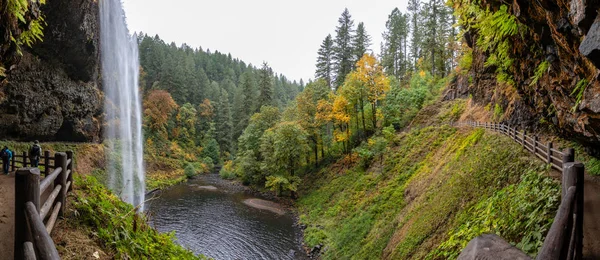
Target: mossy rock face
53 91
423 193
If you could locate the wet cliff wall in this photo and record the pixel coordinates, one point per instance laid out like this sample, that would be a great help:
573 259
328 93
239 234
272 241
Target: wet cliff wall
51 90
549 77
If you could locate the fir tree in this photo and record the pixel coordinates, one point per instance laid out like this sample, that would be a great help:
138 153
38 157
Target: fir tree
325 61
414 7
224 124
361 43
343 51
394 48
265 85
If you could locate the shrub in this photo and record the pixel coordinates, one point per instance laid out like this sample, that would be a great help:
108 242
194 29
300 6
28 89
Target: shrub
209 163
227 172
190 171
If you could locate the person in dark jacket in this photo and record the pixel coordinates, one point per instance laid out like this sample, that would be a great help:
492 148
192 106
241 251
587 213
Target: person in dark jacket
6 155
35 153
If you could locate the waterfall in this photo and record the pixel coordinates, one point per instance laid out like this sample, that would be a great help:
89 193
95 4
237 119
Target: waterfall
122 106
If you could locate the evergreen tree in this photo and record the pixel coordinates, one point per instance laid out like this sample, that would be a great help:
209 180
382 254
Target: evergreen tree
343 51
325 61
265 85
224 124
414 7
240 116
394 48
361 43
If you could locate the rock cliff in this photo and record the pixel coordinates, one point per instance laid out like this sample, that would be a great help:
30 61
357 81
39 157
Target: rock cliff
564 96
52 91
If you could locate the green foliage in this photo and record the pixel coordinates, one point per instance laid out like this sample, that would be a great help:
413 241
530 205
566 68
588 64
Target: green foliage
520 213
402 104
494 30
280 183
428 181
227 172
466 61
498 112
539 72
33 30
118 226
372 149
190 171
578 92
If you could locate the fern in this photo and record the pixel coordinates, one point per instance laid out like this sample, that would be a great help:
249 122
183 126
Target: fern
539 72
578 92
34 33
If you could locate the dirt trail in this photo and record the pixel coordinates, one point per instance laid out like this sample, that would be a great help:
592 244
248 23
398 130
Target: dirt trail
7 218
591 218
591 215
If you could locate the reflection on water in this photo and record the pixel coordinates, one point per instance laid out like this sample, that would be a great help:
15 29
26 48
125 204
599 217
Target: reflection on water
217 223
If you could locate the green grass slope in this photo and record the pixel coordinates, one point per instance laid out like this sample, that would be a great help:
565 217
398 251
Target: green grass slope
435 189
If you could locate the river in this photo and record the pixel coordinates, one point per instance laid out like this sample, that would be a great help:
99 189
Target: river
218 224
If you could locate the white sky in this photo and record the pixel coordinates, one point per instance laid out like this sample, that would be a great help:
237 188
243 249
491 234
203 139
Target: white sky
286 34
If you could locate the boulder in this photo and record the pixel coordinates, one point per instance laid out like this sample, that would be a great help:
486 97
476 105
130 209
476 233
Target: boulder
491 246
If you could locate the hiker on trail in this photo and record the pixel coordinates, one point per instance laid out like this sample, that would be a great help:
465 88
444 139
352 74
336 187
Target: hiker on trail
6 155
35 153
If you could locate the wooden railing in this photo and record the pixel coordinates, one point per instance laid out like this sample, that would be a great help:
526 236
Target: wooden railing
34 220
565 238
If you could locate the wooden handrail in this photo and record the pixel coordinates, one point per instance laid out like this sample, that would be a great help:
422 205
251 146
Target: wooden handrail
565 237
49 202
554 244
32 236
49 179
42 241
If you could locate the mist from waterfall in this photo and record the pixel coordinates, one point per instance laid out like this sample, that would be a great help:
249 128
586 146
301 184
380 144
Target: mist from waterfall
120 72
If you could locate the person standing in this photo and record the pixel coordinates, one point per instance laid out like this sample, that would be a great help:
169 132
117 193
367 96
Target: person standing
6 155
35 153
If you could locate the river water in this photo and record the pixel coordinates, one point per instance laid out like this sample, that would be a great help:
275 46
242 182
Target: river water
217 223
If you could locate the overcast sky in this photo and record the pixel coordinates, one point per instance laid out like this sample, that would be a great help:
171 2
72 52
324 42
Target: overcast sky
286 34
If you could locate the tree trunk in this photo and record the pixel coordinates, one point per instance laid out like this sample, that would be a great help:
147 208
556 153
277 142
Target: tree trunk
316 150
362 111
374 112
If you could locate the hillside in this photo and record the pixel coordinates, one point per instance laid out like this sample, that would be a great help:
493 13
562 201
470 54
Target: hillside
434 189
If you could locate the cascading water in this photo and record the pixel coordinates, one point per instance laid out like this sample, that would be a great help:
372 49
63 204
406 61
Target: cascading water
120 72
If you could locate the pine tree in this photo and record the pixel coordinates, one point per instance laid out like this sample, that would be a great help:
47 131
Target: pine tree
325 61
361 43
265 85
343 51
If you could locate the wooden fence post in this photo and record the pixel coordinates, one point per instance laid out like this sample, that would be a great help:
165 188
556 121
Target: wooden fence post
13 163
523 140
568 156
60 160
535 144
46 162
70 167
549 155
27 188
